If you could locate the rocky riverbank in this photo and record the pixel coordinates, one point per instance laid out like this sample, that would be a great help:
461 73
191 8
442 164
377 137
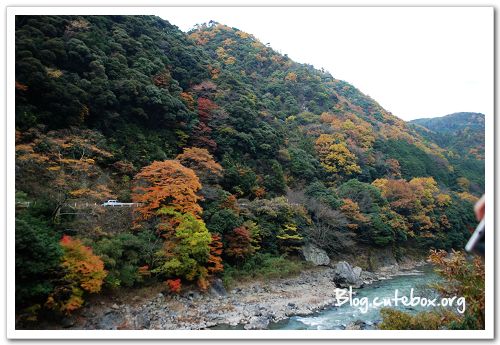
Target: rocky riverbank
253 305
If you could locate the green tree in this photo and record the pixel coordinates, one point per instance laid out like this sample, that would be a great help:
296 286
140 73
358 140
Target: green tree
37 260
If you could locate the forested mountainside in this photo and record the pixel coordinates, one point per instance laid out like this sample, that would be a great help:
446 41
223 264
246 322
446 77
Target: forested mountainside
462 135
235 155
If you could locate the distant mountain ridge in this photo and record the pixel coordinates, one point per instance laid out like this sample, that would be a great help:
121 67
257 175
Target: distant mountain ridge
461 132
462 136
453 122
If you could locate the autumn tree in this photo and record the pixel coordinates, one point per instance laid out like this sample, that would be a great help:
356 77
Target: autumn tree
460 276
463 183
289 238
415 200
399 194
174 285
67 163
255 234
239 244
335 157
202 162
186 249
84 273
393 168
166 183
351 210
425 189
202 134
443 200
214 263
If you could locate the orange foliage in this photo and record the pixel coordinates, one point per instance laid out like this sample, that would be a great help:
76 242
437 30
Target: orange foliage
84 273
462 277
468 197
187 99
214 72
394 168
201 161
415 200
174 285
214 262
243 35
398 192
351 210
230 203
144 271
166 183
205 86
205 109
162 79
334 155
202 132
259 192
21 87
291 77
443 200
82 264
65 164
124 167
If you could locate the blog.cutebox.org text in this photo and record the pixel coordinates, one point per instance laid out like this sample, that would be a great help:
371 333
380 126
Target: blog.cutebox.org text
344 296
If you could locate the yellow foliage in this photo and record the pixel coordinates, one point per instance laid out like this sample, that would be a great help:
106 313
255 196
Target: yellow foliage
228 42
54 73
291 77
468 196
443 200
336 157
221 53
230 60
463 183
242 35
430 320
79 192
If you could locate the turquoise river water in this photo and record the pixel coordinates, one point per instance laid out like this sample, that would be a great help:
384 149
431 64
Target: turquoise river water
337 317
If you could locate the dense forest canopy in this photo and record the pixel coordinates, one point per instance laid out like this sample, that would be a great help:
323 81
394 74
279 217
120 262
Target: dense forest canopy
236 153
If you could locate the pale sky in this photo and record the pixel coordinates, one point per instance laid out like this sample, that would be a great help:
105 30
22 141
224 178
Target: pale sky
416 62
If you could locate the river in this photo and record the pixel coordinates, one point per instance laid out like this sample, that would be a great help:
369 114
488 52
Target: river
338 317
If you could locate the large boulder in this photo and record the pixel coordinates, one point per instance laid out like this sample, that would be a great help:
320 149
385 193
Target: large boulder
346 276
110 320
315 255
357 325
217 288
257 322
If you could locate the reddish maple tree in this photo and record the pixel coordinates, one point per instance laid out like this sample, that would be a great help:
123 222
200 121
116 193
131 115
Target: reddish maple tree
202 132
239 243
